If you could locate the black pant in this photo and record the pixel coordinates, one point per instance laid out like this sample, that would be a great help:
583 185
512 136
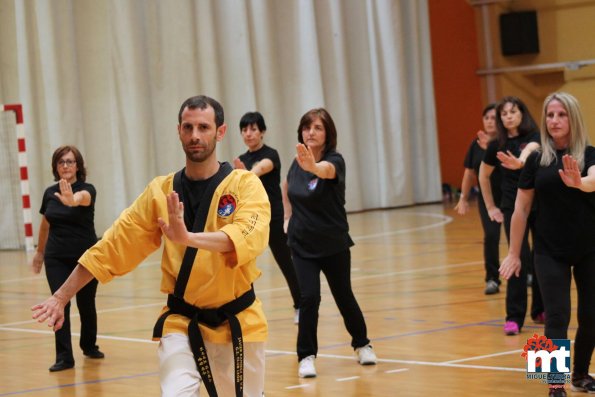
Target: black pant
555 277
282 255
516 288
491 243
337 270
57 271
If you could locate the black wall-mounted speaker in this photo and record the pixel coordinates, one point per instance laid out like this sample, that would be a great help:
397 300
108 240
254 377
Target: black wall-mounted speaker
518 33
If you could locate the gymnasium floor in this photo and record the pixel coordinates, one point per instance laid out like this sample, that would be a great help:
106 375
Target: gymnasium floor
417 273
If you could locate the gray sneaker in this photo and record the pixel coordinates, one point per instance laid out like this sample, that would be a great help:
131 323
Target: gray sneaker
492 288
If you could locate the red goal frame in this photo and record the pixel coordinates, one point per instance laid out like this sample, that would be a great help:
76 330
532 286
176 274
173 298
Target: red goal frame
17 109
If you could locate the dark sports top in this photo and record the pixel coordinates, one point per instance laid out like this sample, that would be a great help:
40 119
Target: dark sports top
565 223
318 226
72 229
510 178
192 193
271 179
473 161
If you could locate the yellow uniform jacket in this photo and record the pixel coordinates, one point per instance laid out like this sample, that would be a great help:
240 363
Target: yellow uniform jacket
240 208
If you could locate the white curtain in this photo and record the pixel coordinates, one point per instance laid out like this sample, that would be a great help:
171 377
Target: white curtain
109 76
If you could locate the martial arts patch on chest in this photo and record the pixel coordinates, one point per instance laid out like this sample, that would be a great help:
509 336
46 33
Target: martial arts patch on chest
227 205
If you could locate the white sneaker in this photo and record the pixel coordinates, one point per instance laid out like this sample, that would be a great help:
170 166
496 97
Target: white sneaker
296 316
307 369
366 355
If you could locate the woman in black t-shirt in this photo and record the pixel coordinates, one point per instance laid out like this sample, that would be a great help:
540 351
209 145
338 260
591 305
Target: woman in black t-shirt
318 235
491 229
518 136
561 180
264 161
67 230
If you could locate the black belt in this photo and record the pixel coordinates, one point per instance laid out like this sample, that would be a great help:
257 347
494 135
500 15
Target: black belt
212 318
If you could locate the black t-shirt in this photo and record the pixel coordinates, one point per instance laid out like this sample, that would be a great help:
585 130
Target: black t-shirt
271 179
192 195
72 229
473 161
318 226
510 178
565 223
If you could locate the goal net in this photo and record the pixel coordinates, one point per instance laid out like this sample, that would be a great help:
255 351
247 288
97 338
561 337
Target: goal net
15 230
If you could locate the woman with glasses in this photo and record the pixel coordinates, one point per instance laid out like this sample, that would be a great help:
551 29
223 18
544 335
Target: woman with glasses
67 229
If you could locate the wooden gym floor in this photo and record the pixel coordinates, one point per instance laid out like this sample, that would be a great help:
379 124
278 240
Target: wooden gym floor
417 273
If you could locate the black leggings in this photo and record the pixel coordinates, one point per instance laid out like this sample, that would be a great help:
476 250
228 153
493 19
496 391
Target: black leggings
337 270
57 271
516 288
555 278
282 255
491 243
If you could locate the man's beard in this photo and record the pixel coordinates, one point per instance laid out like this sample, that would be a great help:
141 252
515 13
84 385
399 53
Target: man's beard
199 157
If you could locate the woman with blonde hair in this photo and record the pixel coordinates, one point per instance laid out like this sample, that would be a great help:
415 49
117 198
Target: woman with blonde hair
561 179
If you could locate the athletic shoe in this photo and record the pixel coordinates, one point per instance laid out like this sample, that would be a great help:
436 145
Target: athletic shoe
557 391
95 353
584 383
492 288
511 328
540 318
366 355
61 365
307 368
296 316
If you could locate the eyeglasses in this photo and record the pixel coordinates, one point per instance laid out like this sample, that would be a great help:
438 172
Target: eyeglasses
66 163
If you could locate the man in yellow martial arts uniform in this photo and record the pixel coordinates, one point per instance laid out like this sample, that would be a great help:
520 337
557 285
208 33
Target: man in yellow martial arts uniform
216 221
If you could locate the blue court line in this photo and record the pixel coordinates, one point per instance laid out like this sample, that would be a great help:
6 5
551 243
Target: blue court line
14 393
490 323
415 333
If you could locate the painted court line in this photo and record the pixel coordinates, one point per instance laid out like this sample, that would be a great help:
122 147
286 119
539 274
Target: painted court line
297 386
268 290
74 385
481 357
40 277
347 379
445 220
393 371
50 332
409 362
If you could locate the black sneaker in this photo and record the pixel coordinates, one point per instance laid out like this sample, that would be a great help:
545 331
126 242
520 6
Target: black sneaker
557 391
95 353
584 383
61 365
